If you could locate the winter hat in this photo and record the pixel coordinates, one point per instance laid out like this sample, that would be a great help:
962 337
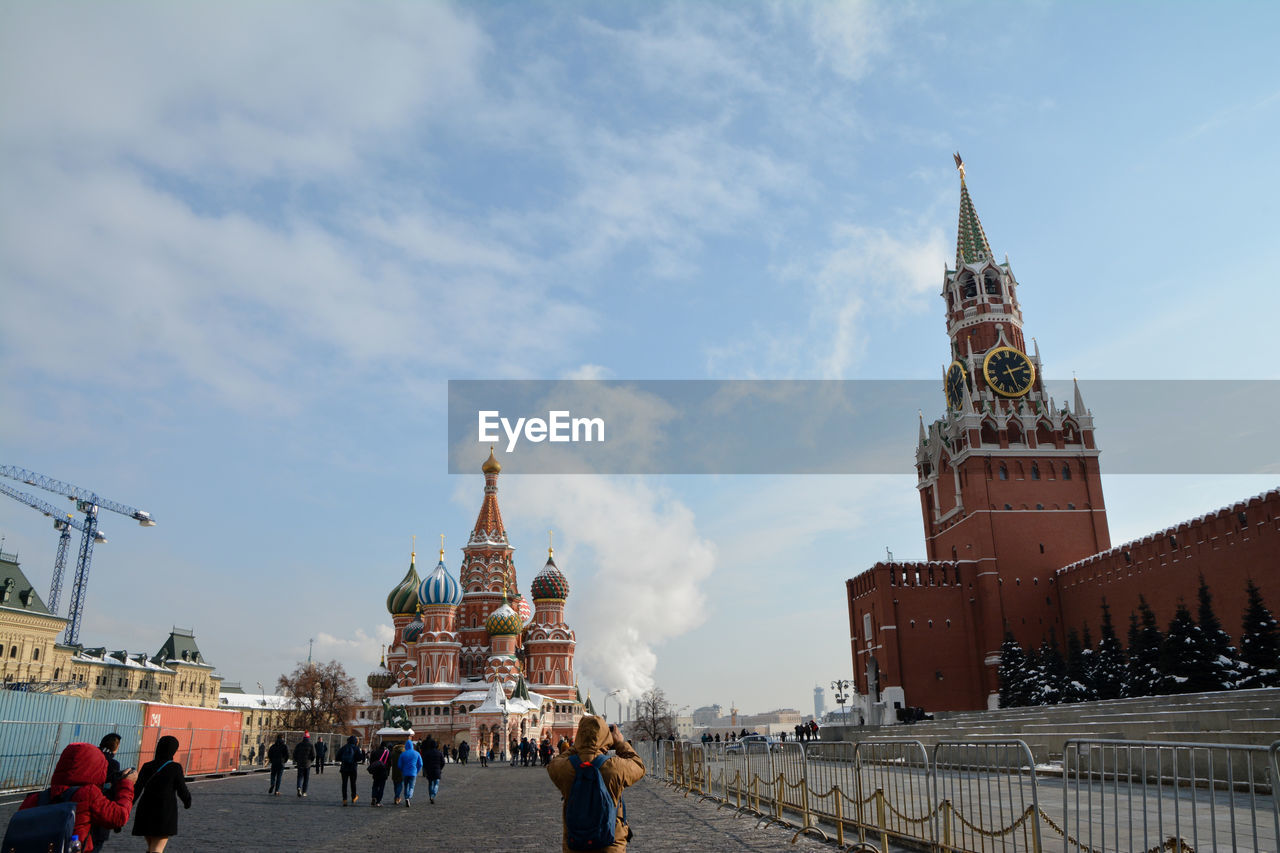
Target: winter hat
306 734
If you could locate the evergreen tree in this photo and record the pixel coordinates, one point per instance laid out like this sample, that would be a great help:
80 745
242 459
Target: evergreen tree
1051 674
1182 661
1075 683
1259 643
1109 664
1012 672
1143 671
1221 669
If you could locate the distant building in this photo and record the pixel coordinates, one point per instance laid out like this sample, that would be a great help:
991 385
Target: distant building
708 715
261 716
469 658
818 704
34 660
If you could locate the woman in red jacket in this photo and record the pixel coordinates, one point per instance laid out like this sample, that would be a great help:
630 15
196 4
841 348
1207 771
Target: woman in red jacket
84 765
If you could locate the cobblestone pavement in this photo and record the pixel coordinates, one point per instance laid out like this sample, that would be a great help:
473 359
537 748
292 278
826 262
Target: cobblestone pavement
499 809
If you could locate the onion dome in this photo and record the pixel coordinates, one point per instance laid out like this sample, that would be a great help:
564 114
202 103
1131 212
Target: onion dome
504 622
550 582
491 465
439 587
521 606
403 600
381 678
413 630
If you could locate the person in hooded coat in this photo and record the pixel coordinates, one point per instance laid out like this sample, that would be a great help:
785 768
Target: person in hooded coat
161 782
379 767
620 772
432 767
410 766
83 766
278 755
348 757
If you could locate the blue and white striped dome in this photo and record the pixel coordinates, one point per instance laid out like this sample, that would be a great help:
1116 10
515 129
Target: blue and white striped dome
439 587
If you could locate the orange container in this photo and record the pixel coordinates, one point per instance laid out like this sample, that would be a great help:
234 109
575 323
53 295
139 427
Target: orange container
208 738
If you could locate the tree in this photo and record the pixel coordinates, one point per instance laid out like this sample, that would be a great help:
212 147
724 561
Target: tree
1145 640
1050 674
1181 655
320 696
1012 673
655 717
1259 643
1075 684
1219 661
1108 675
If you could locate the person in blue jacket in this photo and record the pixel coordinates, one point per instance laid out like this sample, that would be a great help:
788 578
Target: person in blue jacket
410 767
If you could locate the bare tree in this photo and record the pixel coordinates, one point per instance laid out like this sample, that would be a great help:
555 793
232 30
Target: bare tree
655 717
321 696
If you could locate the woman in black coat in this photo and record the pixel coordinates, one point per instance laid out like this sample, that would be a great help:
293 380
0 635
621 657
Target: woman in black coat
155 808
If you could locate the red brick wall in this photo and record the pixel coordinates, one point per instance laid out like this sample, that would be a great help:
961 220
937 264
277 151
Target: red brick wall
1218 546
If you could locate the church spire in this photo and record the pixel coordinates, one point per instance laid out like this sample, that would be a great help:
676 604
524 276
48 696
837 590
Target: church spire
489 526
971 240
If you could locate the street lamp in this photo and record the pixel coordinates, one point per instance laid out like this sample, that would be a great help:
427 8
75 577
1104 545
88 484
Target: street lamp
842 686
503 754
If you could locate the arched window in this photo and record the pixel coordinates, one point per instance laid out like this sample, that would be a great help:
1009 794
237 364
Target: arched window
1035 470
13 651
35 653
1015 433
968 286
991 283
1066 472
1004 472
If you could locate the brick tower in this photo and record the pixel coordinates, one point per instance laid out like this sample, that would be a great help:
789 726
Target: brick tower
488 572
1010 491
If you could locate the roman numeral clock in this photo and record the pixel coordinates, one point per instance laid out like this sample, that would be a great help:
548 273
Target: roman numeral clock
1008 371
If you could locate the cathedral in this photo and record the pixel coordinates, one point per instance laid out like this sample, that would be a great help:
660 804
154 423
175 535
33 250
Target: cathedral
1015 525
469 659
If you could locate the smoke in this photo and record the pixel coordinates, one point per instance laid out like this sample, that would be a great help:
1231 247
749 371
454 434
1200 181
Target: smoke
634 561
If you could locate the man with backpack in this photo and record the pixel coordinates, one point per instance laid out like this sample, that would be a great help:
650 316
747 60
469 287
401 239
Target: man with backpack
304 754
591 783
348 757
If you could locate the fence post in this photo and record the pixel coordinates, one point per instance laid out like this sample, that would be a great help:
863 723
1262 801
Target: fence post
839 814
882 819
944 812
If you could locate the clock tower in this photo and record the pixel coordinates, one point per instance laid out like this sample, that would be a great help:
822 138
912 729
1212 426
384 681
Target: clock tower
1008 478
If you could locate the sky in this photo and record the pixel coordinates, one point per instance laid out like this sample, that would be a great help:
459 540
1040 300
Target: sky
244 247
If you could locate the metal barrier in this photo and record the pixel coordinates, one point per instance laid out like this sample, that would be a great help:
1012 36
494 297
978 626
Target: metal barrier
32 748
980 796
987 796
1155 796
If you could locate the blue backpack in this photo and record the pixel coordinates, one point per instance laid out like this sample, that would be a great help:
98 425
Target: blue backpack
590 814
43 827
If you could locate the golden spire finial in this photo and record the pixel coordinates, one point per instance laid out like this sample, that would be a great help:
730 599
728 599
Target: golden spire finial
442 547
959 165
551 550
413 550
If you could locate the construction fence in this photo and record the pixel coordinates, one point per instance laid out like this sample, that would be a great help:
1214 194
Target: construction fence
1107 796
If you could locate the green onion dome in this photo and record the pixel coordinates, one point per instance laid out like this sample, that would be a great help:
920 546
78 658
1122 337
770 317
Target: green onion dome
403 600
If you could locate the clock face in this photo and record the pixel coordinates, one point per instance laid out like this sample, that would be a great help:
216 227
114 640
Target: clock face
955 385
1008 371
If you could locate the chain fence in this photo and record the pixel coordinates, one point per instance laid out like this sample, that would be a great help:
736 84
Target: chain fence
989 796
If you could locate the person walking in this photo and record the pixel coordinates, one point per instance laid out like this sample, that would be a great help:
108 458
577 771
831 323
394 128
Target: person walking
379 768
82 766
348 757
397 778
619 772
277 755
464 749
109 744
410 766
161 783
322 752
432 768
303 755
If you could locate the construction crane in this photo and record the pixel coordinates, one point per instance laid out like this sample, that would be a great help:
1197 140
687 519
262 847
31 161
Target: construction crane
63 523
87 503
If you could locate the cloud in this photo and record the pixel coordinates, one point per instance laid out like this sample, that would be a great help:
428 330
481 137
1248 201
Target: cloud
635 561
850 35
866 271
